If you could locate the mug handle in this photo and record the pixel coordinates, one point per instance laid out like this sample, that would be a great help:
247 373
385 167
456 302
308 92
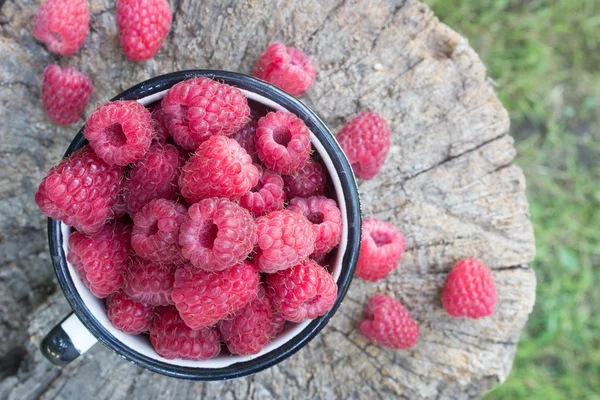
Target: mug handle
66 341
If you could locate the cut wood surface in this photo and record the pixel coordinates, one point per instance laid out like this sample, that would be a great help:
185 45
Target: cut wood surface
448 183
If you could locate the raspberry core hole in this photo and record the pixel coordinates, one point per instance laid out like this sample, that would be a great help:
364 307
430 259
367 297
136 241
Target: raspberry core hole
57 36
153 229
315 300
208 234
115 135
282 135
381 238
315 217
184 113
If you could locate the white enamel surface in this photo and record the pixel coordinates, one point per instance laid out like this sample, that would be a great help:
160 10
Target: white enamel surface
81 338
141 343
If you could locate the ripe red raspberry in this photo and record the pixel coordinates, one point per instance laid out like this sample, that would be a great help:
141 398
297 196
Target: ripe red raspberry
381 249
62 25
287 68
246 137
285 238
308 181
326 218
283 142
366 142
470 290
388 323
305 291
267 196
149 282
120 132
101 259
143 26
219 168
200 108
217 234
203 297
154 176
156 231
172 338
65 93
80 191
252 327
159 123
128 315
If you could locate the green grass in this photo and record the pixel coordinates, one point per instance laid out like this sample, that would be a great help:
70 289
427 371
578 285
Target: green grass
544 56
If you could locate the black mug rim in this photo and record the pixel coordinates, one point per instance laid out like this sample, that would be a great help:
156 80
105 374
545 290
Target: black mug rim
350 193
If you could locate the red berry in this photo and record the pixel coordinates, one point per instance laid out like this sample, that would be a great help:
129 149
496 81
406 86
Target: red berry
156 231
80 191
65 93
308 181
217 234
172 338
366 142
62 25
203 297
200 108
381 249
246 137
305 291
470 290
143 26
252 327
101 259
387 323
267 196
159 123
326 218
128 315
149 282
120 132
285 238
154 176
219 168
283 142
287 68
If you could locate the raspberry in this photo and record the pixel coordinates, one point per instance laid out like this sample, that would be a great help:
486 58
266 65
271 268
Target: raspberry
308 181
381 249
128 315
149 282
219 168
203 297
469 291
159 123
200 108
246 137
252 327
101 259
267 196
65 93
285 238
80 191
287 68
283 142
172 338
154 176
120 132
143 26
302 292
366 142
217 234
326 218
62 25
388 323
156 231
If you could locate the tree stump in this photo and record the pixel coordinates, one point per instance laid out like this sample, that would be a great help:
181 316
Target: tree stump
448 184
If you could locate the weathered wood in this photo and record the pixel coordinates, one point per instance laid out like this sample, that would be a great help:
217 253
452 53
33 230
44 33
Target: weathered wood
448 184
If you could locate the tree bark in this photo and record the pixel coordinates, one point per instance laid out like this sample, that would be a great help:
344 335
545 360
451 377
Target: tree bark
448 183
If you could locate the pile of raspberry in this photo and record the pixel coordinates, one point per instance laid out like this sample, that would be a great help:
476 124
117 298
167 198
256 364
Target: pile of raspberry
199 220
